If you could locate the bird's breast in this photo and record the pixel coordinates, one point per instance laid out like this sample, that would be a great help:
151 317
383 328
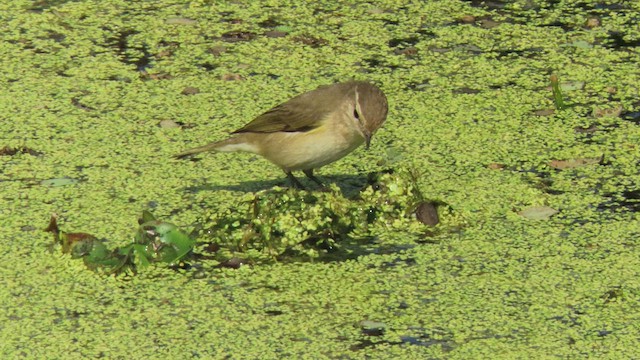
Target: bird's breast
311 149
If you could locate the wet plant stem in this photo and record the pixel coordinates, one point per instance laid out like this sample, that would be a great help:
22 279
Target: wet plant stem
558 99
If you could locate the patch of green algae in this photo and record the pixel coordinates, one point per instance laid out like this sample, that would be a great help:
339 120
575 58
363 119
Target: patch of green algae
85 84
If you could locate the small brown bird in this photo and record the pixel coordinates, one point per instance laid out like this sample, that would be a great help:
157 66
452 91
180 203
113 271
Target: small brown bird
310 130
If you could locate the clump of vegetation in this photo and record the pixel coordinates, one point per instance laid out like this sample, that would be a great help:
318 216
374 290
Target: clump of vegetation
263 226
154 242
275 222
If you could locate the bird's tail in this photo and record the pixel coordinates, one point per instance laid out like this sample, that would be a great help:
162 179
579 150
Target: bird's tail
234 143
209 147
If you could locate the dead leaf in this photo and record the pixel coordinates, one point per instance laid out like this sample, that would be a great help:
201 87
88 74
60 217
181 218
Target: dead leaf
410 51
217 50
231 77
538 212
586 130
237 36
311 40
592 22
613 112
467 19
180 21
275 34
10 151
544 112
168 124
190 90
573 163
488 23
427 213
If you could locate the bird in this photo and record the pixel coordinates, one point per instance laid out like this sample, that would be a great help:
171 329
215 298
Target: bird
310 130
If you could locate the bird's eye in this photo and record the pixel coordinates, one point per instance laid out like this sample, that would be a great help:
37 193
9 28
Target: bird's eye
356 114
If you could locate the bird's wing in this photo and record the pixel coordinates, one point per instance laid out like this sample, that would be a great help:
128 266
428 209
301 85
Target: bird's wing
281 119
302 113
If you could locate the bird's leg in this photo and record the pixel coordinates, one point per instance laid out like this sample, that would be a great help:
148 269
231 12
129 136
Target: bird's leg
309 173
294 182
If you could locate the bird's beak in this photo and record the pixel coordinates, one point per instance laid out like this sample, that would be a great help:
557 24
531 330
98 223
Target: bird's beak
367 141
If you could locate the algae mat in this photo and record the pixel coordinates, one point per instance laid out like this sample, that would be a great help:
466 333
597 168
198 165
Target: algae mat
543 262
